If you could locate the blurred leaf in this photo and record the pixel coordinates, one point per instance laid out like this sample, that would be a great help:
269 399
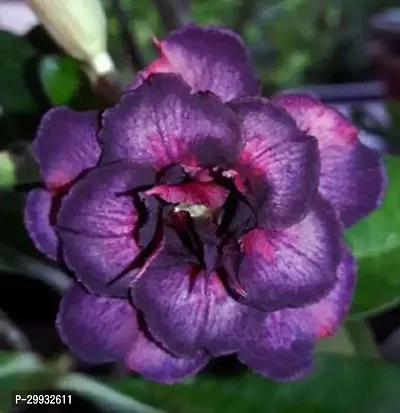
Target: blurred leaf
60 76
338 384
12 261
15 54
23 371
375 242
103 396
7 171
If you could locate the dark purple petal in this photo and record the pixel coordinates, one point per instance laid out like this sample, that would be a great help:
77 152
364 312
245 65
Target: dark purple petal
187 311
328 313
295 266
97 329
37 221
97 221
281 348
352 175
281 163
228 322
209 59
162 123
66 145
154 363
173 301
102 329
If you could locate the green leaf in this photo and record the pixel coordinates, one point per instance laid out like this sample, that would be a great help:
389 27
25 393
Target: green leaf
375 242
15 94
60 76
338 384
20 372
105 397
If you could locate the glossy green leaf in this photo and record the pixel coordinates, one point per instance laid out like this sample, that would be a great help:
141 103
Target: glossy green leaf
60 77
338 384
15 94
375 242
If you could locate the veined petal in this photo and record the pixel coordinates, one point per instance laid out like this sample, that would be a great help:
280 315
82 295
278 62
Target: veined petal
352 175
192 193
328 313
103 329
153 363
281 348
37 217
162 123
208 59
188 311
295 266
97 221
97 329
279 162
66 145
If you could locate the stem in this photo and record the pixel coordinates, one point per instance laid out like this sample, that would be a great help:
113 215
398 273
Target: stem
14 336
128 40
13 261
362 338
174 13
102 395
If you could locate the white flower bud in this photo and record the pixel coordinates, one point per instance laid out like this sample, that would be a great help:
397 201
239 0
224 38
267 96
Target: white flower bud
79 27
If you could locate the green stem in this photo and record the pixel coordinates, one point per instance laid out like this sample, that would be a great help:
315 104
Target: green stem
362 338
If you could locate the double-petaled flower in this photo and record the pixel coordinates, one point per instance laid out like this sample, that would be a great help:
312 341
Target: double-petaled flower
200 219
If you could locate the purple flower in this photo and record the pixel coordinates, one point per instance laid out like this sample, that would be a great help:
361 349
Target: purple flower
200 219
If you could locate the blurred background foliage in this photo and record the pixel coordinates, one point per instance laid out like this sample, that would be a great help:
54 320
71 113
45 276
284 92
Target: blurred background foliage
293 43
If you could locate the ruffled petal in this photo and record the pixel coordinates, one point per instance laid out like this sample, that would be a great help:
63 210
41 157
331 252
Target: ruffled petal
292 267
172 299
37 216
352 175
97 329
280 163
192 193
154 363
103 329
209 59
327 314
162 123
187 311
97 222
281 348
66 145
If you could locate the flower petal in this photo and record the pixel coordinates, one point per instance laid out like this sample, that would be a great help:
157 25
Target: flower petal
103 329
37 216
187 311
66 145
97 329
97 222
209 59
162 123
352 175
192 193
292 267
154 363
328 313
281 348
173 305
281 163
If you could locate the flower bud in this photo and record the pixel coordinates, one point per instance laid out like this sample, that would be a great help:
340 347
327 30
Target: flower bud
79 27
